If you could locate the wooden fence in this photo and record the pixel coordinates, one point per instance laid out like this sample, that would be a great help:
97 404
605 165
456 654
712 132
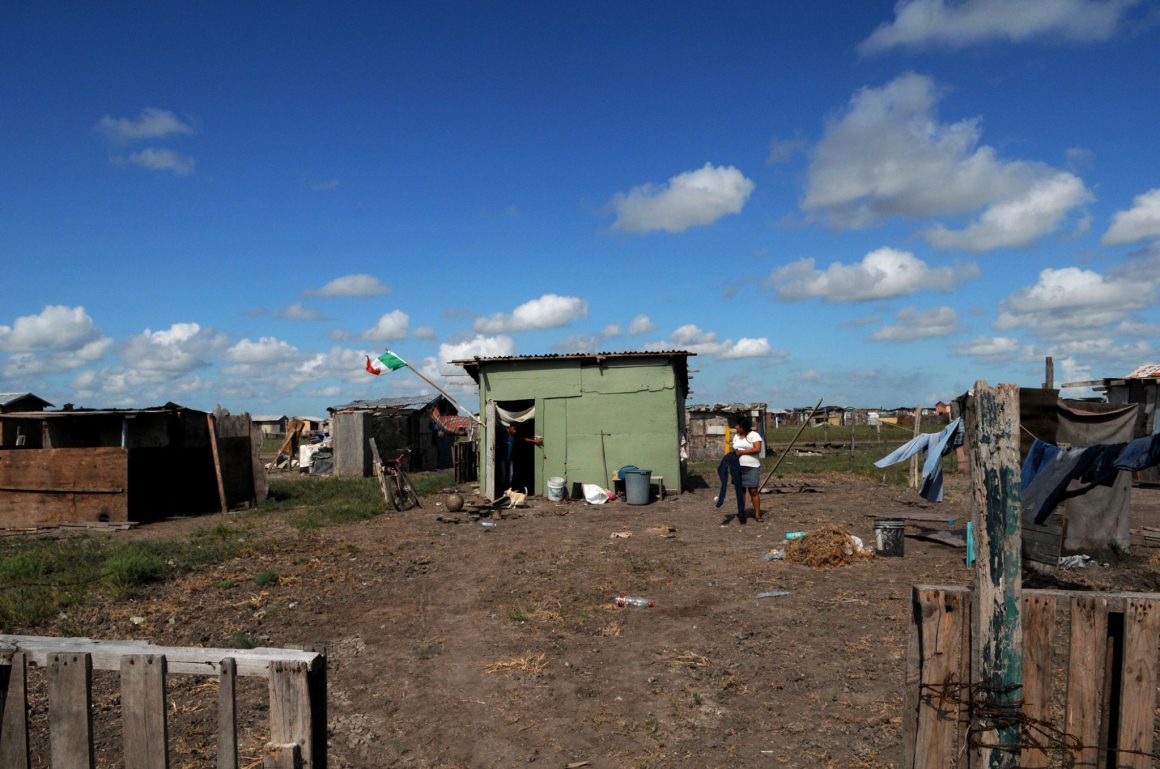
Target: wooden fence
1089 681
297 686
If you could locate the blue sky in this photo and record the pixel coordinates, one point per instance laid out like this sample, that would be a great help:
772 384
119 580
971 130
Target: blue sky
874 203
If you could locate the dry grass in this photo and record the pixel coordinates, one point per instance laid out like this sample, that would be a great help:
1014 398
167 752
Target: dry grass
528 663
687 659
827 548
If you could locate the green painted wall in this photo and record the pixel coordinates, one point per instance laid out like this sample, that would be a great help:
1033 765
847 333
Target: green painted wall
637 404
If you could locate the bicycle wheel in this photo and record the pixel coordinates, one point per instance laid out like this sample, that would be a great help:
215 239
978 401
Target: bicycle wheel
401 494
412 491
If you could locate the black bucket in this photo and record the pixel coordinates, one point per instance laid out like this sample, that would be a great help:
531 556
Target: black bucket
888 540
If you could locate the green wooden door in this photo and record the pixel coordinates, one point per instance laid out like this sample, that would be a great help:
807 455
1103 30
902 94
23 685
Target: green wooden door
552 424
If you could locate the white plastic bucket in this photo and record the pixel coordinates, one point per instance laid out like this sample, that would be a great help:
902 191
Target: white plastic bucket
556 489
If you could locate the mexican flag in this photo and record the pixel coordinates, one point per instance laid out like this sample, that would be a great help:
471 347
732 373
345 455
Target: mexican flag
388 361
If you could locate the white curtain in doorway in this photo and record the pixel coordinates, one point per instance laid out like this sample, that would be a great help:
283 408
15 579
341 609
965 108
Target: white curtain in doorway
507 417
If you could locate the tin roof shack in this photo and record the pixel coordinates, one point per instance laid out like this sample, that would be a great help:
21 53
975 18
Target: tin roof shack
707 424
395 424
126 465
596 412
15 432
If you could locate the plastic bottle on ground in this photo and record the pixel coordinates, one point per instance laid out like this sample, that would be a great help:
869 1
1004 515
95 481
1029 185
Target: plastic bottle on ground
631 600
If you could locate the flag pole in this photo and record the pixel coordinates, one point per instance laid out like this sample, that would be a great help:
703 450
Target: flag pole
466 411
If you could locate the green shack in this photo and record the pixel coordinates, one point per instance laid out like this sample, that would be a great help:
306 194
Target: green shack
595 413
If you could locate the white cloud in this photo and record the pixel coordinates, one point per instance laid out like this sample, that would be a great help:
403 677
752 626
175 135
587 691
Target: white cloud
424 332
1071 299
885 273
690 199
548 311
747 348
152 123
1019 221
888 155
351 285
57 327
641 324
1140 222
267 350
478 346
177 350
692 338
297 311
611 330
951 24
158 159
580 343
913 323
989 347
782 150
391 327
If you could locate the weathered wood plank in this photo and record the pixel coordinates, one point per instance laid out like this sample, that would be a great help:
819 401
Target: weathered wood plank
227 753
52 486
106 655
991 420
1038 636
145 728
940 653
290 707
70 696
912 680
13 711
1138 684
285 756
1085 676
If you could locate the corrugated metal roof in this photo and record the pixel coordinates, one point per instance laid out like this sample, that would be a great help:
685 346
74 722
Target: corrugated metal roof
679 357
406 403
728 407
6 398
1147 371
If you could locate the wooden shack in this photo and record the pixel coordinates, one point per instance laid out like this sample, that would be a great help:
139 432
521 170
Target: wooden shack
396 424
120 465
708 422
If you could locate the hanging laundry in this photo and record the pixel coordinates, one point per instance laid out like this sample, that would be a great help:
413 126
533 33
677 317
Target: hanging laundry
935 445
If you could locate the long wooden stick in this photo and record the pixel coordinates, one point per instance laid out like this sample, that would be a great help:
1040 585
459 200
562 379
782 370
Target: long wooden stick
791 443
604 458
217 463
466 411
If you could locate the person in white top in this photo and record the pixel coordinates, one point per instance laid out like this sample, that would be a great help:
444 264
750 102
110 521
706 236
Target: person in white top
747 445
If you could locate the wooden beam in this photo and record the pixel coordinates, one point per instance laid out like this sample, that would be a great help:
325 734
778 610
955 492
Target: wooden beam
227 755
992 431
217 463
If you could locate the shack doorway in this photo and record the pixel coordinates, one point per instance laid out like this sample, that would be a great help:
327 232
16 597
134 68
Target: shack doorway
515 465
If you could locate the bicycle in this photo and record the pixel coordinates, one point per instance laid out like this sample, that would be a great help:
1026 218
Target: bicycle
393 481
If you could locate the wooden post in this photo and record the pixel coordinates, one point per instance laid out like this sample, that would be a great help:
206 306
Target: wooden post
915 473
291 710
992 430
227 753
1049 375
13 711
70 711
217 463
145 731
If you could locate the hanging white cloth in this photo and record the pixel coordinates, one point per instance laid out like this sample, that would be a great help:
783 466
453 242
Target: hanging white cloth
507 417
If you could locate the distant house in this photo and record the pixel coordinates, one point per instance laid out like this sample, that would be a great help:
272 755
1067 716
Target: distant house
708 425
117 465
396 424
16 432
597 412
271 424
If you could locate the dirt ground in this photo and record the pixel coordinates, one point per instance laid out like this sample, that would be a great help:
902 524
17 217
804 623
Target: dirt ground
454 645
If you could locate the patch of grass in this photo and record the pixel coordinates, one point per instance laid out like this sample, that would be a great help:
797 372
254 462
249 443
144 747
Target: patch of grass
129 568
226 584
266 578
517 614
39 578
241 640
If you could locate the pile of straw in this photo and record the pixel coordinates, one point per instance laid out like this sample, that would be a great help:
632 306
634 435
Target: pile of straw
826 548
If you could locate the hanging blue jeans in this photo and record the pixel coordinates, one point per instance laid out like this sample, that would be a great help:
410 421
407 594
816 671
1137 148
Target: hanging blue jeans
730 469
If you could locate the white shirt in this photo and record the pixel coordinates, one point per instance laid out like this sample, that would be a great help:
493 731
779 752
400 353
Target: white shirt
746 443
